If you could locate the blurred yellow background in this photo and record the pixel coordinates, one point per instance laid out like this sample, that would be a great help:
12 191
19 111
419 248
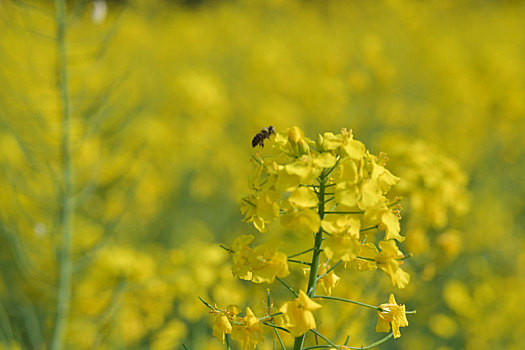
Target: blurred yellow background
165 97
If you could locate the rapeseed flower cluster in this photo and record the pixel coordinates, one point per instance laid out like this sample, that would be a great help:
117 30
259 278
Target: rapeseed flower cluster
336 190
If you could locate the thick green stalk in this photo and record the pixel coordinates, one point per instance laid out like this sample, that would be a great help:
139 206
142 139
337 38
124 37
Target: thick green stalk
314 267
67 211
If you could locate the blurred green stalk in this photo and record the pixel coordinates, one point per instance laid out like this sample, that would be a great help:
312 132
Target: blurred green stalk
65 242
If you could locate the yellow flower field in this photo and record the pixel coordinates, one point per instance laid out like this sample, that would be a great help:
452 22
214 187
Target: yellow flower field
280 174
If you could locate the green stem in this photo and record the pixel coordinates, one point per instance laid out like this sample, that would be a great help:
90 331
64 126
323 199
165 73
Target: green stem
373 345
271 323
211 307
229 250
301 253
248 202
299 262
227 338
330 270
314 267
66 243
275 326
394 202
269 317
379 342
279 338
346 301
287 286
322 336
364 258
369 228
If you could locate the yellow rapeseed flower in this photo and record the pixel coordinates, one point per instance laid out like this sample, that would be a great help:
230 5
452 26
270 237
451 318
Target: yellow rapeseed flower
249 331
222 325
387 261
298 315
329 281
391 314
260 264
341 247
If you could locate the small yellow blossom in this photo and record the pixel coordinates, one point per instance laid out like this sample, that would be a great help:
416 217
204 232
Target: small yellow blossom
347 194
369 252
249 332
327 282
222 325
260 209
341 247
331 142
303 197
298 314
304 168
370 194
341 224
304 220
241 253
295 134
354 149
350 171
385 219
390 223
266 263
298 141
391 314
387 260
260 264
324 160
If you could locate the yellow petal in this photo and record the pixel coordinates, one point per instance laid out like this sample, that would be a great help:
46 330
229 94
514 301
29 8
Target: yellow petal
382 326
306 302
241 242
303 197
221 326
370 194
354 149
342 224
344 247
331 142
368 250
305 220
347 195
350 171
390 223
295 134
325 160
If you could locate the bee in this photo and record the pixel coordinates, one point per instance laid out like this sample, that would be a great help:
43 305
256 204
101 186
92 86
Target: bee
264 134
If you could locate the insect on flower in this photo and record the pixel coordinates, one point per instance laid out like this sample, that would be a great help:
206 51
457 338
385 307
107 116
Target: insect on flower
263 134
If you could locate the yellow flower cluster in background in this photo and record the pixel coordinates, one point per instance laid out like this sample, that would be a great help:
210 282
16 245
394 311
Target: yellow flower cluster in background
163 109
